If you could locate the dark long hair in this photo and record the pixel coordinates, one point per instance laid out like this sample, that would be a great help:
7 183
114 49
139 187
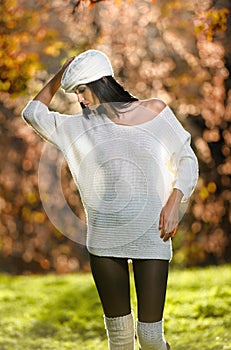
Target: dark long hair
108 90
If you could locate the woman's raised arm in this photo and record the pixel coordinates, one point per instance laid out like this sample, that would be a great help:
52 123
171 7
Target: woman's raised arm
46 94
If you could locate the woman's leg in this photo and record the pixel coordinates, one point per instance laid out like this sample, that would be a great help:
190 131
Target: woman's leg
111 276
151 281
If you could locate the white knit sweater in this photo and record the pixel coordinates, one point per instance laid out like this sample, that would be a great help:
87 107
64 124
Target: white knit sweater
124 175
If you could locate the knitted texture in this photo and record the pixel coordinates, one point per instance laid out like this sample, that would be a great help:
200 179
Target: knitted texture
124 175
120 332
151 335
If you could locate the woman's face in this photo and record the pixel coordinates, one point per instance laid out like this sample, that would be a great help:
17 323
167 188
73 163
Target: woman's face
86 96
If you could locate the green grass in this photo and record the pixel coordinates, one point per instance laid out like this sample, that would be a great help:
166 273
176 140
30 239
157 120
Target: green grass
63 312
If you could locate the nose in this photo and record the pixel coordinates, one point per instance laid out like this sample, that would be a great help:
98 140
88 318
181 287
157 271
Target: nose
80 97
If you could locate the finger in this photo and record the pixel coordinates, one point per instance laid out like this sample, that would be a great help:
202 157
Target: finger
170 234
162 234
174 232
68 61
163 231
166 237
170 225
161 220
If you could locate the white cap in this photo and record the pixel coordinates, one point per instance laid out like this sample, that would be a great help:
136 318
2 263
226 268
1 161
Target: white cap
89 66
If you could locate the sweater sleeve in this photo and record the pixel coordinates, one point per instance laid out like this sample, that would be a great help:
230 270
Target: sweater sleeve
45 122
186 170
183 158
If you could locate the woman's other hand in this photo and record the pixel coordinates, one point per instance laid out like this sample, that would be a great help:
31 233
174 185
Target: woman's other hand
169 216
67 62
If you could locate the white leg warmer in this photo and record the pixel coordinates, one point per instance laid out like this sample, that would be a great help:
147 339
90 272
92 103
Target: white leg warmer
120 332
151 335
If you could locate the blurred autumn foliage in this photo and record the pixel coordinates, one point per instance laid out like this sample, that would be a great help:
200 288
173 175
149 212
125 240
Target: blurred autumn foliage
21 29
178 51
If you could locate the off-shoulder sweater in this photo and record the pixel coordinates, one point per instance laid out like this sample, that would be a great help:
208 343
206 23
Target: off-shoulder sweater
124 175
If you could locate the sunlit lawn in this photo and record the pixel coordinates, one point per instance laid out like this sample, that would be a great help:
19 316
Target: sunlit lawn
63 312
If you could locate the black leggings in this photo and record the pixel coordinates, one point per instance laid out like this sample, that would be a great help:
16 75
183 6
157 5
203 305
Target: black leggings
111 277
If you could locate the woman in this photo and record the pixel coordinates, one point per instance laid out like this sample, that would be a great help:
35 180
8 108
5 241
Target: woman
133 165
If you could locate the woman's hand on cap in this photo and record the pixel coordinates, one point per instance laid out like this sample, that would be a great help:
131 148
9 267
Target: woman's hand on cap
67 62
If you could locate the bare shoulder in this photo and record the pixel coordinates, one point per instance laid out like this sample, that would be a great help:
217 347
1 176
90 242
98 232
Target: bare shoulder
154 104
